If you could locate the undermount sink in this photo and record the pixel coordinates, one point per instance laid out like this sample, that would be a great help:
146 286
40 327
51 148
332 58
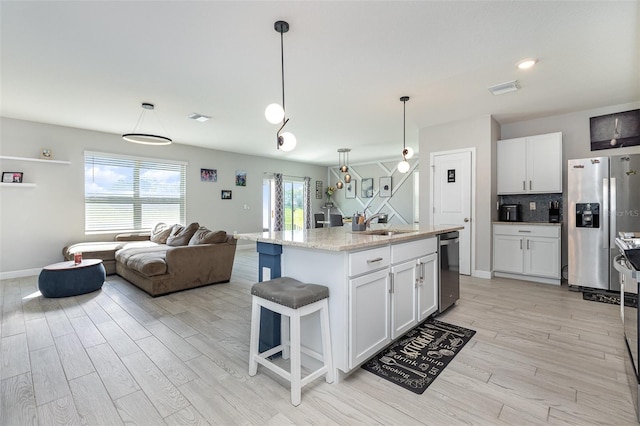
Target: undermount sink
386 232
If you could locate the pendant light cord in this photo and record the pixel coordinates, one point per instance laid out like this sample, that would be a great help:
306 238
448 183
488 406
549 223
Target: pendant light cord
282 67
404 127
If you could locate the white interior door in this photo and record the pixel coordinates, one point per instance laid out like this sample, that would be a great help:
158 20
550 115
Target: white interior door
451 193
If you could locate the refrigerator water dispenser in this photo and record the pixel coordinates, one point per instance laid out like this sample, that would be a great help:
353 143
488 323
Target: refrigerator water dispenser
587 215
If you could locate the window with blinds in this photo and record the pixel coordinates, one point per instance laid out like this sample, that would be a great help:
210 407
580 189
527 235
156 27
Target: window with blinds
123 193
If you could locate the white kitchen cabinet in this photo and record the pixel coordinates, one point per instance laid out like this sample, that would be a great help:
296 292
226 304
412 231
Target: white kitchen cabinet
427 286
369 315
414 284
527 252
530 165
404 297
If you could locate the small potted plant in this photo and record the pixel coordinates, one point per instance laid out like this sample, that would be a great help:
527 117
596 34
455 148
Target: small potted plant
330 190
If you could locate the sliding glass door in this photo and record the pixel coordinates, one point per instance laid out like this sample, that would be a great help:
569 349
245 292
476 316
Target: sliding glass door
292 204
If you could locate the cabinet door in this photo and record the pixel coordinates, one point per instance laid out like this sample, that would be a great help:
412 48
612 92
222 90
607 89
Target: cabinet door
542 257
544 163
368 316
507 253
511 166
427 286
403 298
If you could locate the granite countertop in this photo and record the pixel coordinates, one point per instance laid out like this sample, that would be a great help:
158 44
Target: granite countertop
497 222
342 238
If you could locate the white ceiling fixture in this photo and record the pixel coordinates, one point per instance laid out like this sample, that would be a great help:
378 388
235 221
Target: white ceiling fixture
525 64
509 86
137 136
274 112
199 117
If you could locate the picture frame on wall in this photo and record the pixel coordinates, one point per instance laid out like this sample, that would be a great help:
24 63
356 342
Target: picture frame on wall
208 175
12 177
225 194
618 130
385 186
46 154
367 188
241 178
350 189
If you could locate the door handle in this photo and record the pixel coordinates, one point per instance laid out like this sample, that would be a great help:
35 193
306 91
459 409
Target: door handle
466 219
527 244
530 186
520 243
524 185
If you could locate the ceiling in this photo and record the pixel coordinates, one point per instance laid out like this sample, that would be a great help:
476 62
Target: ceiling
90 64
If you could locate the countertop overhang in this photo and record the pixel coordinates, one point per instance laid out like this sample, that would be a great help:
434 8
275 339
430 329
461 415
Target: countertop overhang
342 238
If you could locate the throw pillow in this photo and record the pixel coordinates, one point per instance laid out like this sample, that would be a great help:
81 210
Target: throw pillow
183 235
160 233
205 236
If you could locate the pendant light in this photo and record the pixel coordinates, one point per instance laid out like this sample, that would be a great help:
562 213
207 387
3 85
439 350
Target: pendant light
274 113
145 138
404 166
343 163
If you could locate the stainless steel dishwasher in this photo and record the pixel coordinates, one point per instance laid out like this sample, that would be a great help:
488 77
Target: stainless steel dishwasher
448 275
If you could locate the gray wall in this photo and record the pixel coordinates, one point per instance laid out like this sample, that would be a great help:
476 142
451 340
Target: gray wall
479 133
575 142
36 223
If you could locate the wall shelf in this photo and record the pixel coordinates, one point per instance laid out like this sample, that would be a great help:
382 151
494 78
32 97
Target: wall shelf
37 160
17 185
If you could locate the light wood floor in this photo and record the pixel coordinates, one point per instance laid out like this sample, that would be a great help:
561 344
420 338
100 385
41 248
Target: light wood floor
541 355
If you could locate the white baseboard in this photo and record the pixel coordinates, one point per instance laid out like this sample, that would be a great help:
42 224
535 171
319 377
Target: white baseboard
482 274
19 274
528 278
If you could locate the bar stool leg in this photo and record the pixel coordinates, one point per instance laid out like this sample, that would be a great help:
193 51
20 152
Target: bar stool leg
327 354
285 338
295 358
255 336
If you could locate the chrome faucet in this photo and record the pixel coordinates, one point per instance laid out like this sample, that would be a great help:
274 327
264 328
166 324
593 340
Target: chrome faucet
367 222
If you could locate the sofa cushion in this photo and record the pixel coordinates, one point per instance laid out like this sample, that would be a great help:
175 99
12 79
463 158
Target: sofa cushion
206 236
180 236
144 257
160 233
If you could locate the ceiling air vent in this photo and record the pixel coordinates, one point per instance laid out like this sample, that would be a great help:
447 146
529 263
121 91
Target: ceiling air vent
509 86
199 117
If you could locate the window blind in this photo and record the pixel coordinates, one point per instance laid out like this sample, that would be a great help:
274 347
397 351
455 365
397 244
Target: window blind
125 193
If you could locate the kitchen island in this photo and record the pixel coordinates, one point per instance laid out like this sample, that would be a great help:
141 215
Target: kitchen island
382 282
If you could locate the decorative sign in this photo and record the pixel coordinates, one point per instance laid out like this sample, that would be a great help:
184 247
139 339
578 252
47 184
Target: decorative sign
319 194
385 186
451 176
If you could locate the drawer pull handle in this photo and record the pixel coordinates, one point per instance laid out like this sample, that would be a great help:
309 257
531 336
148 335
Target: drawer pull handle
524 231
377 259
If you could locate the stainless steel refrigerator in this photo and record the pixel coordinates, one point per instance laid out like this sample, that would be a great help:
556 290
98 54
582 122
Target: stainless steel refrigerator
603 199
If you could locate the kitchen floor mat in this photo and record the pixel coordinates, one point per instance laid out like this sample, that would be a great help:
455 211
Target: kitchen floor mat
613 298
419 356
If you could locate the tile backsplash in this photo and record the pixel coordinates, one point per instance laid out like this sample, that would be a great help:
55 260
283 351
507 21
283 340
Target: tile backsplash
541 213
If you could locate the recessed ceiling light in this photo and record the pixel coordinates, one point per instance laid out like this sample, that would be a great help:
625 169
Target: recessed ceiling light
509 86
526 63
199 117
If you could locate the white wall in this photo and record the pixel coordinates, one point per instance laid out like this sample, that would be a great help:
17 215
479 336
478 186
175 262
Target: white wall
481 134
399 206
575 142
36 223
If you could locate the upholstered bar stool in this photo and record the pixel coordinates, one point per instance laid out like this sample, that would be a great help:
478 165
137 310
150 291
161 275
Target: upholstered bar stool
293 300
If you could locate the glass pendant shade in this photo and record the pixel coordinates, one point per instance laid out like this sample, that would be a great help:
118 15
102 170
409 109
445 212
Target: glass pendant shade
287 141
347 178
274 113
339 185
344 169
403 166
408 153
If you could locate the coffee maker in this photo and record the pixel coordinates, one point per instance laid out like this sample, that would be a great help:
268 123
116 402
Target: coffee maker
554 212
